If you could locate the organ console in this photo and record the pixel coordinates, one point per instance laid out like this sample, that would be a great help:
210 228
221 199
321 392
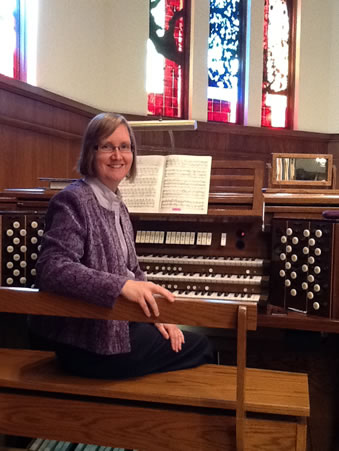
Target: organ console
290 262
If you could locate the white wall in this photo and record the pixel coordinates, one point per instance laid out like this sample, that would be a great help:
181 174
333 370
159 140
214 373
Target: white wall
125 55
333 76
94 51
314 87
198 79
254 58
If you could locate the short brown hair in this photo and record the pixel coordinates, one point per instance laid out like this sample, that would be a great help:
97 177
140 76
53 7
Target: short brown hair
99 128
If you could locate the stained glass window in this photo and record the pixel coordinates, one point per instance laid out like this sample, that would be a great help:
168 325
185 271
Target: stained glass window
166 58
8 38
277 79
224 60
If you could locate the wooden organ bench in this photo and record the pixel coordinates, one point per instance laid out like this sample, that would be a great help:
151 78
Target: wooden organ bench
206 408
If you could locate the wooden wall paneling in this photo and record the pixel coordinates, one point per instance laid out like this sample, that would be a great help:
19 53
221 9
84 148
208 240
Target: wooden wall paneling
48 128
40 134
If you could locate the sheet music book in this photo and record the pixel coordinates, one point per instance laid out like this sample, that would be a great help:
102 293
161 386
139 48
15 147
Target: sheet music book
169 184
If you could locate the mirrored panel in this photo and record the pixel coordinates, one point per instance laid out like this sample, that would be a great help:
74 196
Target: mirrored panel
302 169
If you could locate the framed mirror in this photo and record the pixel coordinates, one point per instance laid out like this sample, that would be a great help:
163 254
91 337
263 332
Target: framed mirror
301 170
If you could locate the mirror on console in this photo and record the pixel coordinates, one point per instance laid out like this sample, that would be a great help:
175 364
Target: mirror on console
301 170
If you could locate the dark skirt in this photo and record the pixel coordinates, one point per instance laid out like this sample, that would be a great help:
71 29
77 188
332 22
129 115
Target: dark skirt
150 353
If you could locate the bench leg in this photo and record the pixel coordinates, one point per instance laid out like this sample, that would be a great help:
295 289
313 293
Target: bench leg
301 440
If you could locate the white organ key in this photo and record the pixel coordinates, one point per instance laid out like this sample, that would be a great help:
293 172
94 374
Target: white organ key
218 261
192 238
196 277
187 238
218 296
137 237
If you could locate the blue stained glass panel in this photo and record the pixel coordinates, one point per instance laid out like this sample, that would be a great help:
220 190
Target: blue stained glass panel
224 60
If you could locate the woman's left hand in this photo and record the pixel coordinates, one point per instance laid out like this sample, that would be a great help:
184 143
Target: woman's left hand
173 333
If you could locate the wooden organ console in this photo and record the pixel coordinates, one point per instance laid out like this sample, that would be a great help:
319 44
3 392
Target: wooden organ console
286 258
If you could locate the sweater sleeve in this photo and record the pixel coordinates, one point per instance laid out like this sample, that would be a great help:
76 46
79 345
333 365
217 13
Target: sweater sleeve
60 268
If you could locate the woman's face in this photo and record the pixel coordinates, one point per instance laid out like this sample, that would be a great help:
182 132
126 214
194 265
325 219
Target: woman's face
114 158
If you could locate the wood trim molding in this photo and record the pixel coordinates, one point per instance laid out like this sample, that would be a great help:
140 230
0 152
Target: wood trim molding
37 128
33 92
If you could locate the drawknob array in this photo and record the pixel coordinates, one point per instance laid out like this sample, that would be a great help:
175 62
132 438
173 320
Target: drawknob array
301 265
20 244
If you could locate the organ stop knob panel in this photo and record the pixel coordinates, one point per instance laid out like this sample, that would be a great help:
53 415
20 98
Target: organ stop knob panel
20 244
302 270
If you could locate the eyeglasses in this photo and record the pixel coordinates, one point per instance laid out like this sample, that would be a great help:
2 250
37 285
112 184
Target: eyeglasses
109 148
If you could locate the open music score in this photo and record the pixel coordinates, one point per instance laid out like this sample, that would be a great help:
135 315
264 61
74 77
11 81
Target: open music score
169 184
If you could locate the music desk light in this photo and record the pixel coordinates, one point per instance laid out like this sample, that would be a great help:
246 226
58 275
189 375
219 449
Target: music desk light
163 125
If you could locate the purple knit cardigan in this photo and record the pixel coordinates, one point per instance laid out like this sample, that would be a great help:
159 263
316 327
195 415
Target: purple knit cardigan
81 257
